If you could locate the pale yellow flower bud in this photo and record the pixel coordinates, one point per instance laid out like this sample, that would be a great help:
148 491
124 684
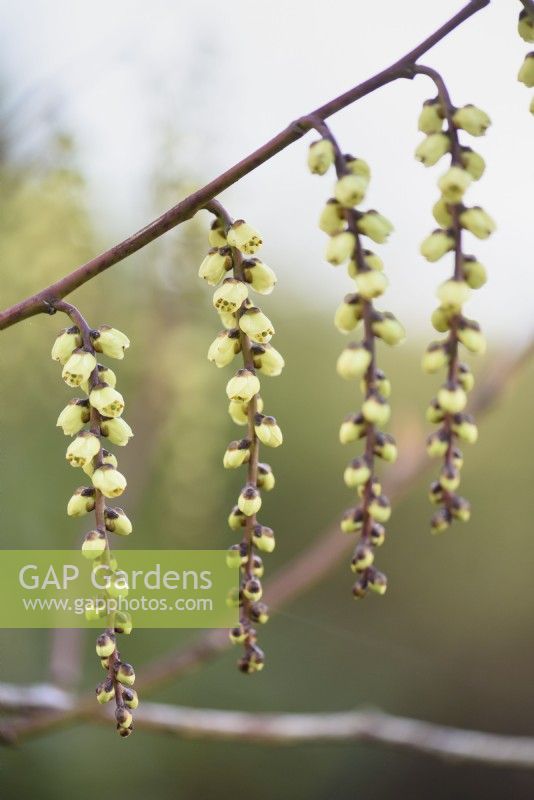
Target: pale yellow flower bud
107 400
230 295
267 360
454 183
263 538
320 156
228 319
452 398
376 410
217 235
525 26
362 559
478 222
243 386
110 342
442 214
249 501
472 337
68 340
332 219
370 260
353 361
358 166
526 71
474 272
352 429
435 358
437 444
74 417
436 245
93 545
375 225
260 277
431 117
453 294
266 479
78 367
109 481
356 473
464 427
440 319
472 119
236 519
243 236
215 265
378 583
350 190
386 447
431 149
371 283
236 454
268 431
107 458
117 522
256 325
380 509
116 430
388 328
82 502
473 163
224 347
348 314
82 449
126 674
105 375
238 412
340 248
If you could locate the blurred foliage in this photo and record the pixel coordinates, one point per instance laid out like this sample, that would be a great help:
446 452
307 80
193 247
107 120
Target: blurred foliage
451 641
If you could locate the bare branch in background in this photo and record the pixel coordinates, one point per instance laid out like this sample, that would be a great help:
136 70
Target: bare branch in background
369 727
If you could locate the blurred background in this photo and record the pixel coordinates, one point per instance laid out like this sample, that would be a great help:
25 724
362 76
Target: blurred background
107 117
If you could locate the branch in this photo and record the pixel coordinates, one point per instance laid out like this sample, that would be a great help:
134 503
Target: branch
403 68
370 727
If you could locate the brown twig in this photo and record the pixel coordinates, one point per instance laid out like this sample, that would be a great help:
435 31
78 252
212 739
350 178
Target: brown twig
43 301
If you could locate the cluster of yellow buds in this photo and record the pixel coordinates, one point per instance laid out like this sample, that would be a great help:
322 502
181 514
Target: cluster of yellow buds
345 225
525 28
247 330
447 409
88 420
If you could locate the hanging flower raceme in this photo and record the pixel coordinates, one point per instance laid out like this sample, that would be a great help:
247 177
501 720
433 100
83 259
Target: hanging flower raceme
448 409
525 28
346 225
247 333
91 421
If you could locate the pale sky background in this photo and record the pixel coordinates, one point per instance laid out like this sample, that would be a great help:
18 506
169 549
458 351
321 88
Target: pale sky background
121 74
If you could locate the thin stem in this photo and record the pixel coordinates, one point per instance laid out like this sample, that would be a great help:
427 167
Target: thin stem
42 301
